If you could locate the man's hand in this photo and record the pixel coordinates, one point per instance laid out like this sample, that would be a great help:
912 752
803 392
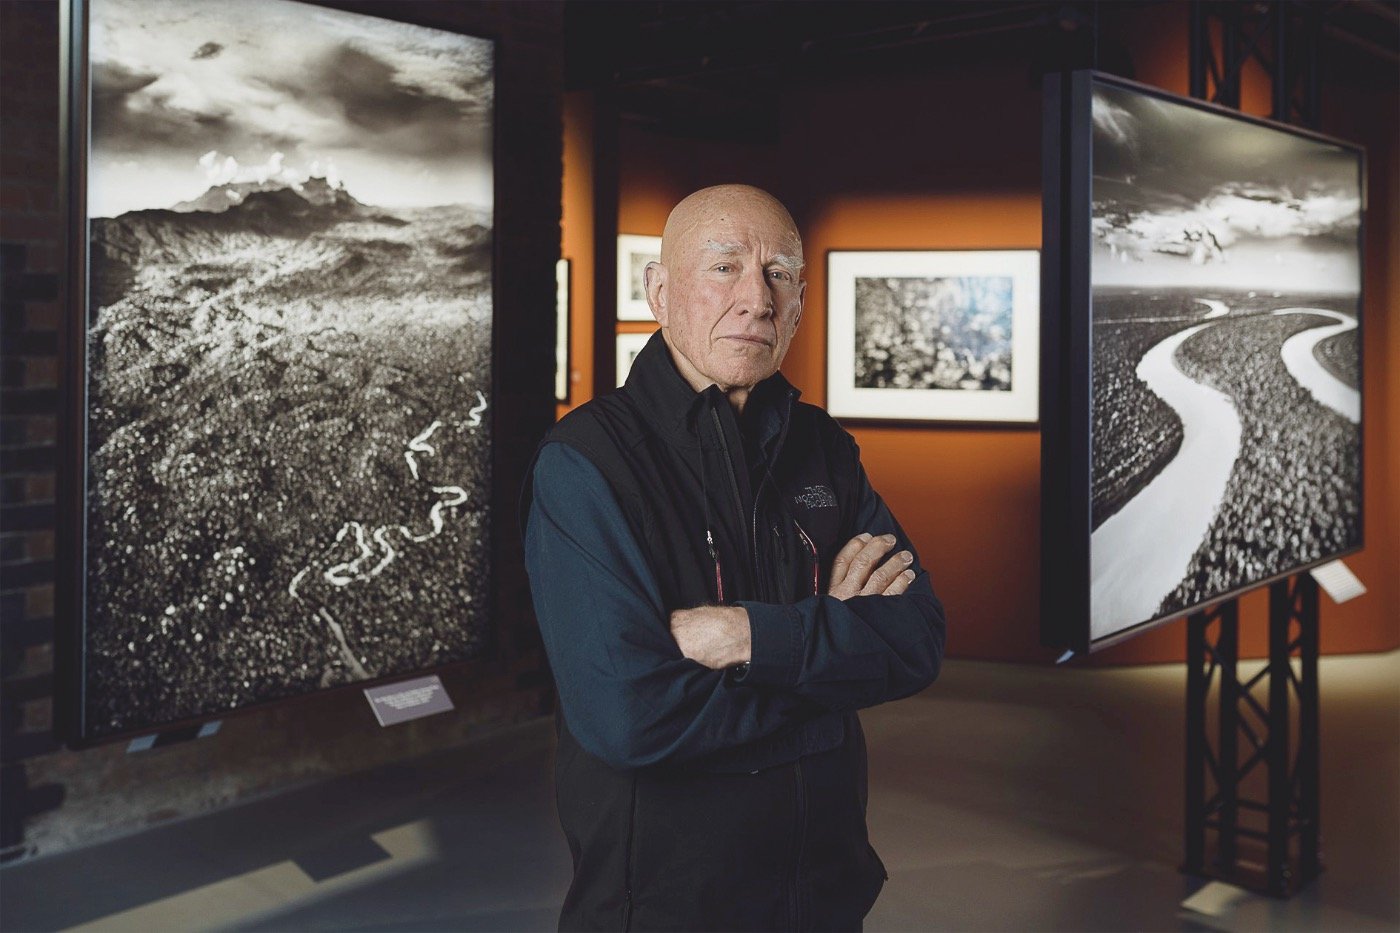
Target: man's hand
716 636
719 636
857 570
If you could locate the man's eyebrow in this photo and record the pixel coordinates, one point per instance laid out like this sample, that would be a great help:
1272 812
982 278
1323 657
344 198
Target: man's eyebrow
730 248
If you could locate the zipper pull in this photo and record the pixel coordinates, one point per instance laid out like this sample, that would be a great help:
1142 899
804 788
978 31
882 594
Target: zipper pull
714 556
816 560
779 543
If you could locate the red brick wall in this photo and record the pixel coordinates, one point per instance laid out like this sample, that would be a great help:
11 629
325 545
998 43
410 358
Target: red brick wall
30 228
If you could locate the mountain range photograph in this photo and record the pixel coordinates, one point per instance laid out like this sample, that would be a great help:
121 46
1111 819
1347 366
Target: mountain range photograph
288 355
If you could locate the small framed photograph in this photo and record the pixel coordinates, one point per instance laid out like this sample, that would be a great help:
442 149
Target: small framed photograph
633 254
628 346
923 335
562 369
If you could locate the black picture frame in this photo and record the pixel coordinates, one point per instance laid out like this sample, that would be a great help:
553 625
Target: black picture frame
74 663
1067 362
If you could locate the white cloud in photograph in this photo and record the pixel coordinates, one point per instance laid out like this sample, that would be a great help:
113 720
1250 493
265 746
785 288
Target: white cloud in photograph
1186 197
195 93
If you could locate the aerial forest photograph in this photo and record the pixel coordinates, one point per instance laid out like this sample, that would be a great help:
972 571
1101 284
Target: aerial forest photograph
288 354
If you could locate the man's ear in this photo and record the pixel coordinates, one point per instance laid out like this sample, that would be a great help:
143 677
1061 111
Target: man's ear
654 280
801 302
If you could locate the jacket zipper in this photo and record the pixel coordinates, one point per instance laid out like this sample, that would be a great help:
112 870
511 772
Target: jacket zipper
758 578
800 842
757 498
800 830
714 556
816 561
738 500
627 863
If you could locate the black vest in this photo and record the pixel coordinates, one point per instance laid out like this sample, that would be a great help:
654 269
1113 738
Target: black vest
770 835
676 460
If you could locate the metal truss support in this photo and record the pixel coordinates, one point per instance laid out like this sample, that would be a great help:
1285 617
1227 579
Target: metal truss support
1254 792
1280 36
1252 799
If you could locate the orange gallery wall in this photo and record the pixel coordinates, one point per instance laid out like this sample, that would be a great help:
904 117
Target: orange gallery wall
950 160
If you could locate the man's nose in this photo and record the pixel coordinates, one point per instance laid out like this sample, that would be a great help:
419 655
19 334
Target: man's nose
756 297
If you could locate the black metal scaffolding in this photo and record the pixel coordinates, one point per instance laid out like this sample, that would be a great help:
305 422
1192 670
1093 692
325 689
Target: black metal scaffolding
1252 798
1281 37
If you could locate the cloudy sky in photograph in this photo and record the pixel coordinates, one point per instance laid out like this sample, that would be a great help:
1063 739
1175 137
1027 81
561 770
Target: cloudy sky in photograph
1187 197
203 92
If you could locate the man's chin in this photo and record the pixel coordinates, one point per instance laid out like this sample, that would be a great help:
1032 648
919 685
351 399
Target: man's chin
745 377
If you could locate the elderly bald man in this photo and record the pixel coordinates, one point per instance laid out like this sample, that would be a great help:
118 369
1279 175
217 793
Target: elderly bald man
719 589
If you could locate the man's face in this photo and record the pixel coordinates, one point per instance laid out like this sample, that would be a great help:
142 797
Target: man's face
729 291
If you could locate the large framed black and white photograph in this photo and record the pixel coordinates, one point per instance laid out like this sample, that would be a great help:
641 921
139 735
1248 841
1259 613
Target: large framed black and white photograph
285 355
634 251
1205 306
934 335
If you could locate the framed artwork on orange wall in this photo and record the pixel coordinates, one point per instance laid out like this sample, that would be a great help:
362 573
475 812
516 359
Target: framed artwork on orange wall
628 346
563 371
633 254
933 335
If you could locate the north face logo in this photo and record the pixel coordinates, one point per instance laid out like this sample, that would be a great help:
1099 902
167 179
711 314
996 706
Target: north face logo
816 497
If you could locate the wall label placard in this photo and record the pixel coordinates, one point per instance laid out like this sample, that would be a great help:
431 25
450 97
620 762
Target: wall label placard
408 700
1338 581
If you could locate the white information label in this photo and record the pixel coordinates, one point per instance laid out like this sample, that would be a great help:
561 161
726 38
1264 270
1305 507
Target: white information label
1338 580
1217 899
408 699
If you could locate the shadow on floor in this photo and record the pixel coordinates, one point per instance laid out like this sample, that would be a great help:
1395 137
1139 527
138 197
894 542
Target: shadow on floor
1005 797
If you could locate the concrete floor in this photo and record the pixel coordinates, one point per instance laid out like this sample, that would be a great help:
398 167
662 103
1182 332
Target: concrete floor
1004 798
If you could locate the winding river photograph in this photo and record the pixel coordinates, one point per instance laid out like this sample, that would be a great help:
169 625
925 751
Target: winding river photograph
1226 356
290 216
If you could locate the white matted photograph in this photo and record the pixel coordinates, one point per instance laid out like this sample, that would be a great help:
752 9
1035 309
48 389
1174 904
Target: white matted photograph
628 346
562 370
934 335
633 254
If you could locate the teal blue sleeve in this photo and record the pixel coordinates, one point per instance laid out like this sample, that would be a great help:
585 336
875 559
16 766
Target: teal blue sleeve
627 693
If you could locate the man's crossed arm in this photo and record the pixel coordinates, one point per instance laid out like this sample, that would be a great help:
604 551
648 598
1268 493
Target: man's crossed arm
720 636
633 696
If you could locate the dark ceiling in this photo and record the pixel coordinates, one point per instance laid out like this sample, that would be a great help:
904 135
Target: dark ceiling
649 40
704 58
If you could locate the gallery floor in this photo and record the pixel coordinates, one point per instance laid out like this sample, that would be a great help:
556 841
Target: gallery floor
1004 798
